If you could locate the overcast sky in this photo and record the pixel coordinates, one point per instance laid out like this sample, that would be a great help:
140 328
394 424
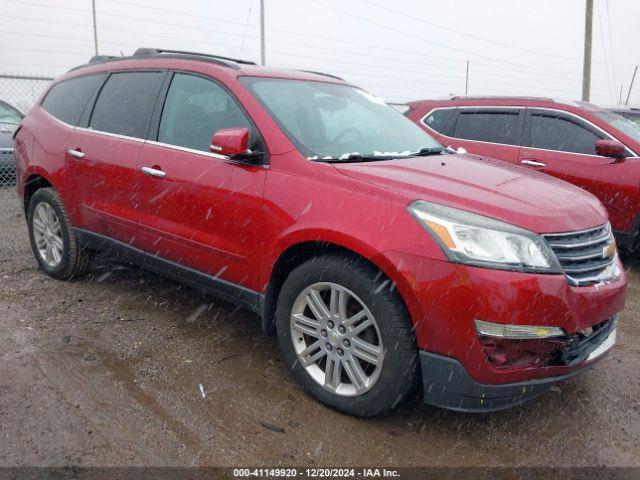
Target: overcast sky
400 50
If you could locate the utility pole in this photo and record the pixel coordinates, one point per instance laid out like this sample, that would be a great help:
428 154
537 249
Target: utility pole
95 29
631 86
586 68
466 83
263 54
620 99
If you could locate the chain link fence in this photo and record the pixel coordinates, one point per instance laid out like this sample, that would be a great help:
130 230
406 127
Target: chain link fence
18 93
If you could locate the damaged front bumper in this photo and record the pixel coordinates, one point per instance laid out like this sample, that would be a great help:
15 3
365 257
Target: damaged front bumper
447 384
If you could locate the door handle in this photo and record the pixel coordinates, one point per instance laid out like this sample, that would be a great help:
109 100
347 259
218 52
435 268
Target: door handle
154 172
75 153
534 163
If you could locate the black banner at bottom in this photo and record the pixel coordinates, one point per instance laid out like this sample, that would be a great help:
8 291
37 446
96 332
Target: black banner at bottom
404 473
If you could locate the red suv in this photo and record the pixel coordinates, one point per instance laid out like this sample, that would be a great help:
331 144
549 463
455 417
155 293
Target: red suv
380 259
581 143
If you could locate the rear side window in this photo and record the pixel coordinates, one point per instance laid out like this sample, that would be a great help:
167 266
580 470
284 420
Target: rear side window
67 100
495 126
196 108
551 131
125 103
438 119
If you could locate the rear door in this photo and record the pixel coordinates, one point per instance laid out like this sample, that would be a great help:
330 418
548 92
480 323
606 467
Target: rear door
68 102
563 145
200 209
103 154
489 131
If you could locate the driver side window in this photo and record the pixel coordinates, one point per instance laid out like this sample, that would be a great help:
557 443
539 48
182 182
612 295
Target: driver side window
194 109
553 131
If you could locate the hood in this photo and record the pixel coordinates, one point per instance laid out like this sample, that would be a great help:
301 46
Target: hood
489 187
6 134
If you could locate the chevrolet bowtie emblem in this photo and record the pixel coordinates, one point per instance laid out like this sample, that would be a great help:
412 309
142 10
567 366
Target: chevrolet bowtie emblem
610 250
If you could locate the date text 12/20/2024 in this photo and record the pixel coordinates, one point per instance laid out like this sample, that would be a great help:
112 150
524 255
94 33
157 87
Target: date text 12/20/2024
316 473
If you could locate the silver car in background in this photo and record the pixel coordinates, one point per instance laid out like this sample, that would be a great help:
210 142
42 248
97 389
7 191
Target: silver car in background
10 118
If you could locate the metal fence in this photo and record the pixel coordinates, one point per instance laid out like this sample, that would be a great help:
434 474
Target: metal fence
20 92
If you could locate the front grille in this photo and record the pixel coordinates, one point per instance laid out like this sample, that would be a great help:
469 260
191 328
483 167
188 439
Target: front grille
578 346
586 256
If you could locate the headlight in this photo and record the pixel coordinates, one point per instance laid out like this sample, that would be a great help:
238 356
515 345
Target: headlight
482 241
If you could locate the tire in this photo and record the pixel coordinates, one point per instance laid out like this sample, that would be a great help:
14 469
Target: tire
71 260
390 338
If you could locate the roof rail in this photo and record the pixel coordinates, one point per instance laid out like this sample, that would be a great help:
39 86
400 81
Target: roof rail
498 97
322 73
101 58
144 52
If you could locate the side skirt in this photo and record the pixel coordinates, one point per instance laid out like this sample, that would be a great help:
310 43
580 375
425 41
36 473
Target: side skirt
216 286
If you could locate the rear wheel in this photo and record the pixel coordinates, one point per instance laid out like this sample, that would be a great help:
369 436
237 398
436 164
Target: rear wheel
346 335
53 240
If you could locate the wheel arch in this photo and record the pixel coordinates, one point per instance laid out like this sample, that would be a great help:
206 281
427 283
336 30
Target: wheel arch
299 252
34 181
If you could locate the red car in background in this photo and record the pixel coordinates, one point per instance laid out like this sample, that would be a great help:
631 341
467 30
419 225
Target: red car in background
591 147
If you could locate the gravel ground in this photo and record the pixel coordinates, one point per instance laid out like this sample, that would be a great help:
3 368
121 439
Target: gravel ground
106 370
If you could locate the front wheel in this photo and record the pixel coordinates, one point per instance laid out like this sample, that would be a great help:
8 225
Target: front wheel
346 335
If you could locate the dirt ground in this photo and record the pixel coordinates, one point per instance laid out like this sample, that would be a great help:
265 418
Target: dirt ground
106 370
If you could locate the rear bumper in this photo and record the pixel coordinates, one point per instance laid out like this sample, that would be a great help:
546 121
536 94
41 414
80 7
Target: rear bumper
447 384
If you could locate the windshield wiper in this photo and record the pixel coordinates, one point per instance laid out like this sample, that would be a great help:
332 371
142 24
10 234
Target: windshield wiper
426 151
357 157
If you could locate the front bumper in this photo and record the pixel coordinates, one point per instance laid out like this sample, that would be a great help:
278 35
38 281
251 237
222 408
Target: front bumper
447 384
444 299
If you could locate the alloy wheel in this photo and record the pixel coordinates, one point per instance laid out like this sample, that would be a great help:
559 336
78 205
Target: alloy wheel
336 339
47 233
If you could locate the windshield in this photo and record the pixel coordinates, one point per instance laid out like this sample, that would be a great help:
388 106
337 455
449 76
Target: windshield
618 122
329 121
9 114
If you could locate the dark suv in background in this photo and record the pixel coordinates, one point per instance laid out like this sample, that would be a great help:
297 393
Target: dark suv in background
578 142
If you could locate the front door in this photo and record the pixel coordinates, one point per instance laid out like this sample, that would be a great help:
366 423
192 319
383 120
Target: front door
199 209
563 145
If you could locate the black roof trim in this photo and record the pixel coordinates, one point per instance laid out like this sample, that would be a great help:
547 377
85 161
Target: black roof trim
164 53
102 58
143 52
500 97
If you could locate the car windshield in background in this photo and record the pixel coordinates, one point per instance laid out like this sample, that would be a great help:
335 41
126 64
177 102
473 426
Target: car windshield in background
634 116
328 121
9 114
626 126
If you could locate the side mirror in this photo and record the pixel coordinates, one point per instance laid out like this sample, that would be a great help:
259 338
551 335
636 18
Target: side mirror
234 143
230 141
610 148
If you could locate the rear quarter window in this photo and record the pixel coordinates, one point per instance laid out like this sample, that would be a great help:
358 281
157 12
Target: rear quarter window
439 119
67 100
125 103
